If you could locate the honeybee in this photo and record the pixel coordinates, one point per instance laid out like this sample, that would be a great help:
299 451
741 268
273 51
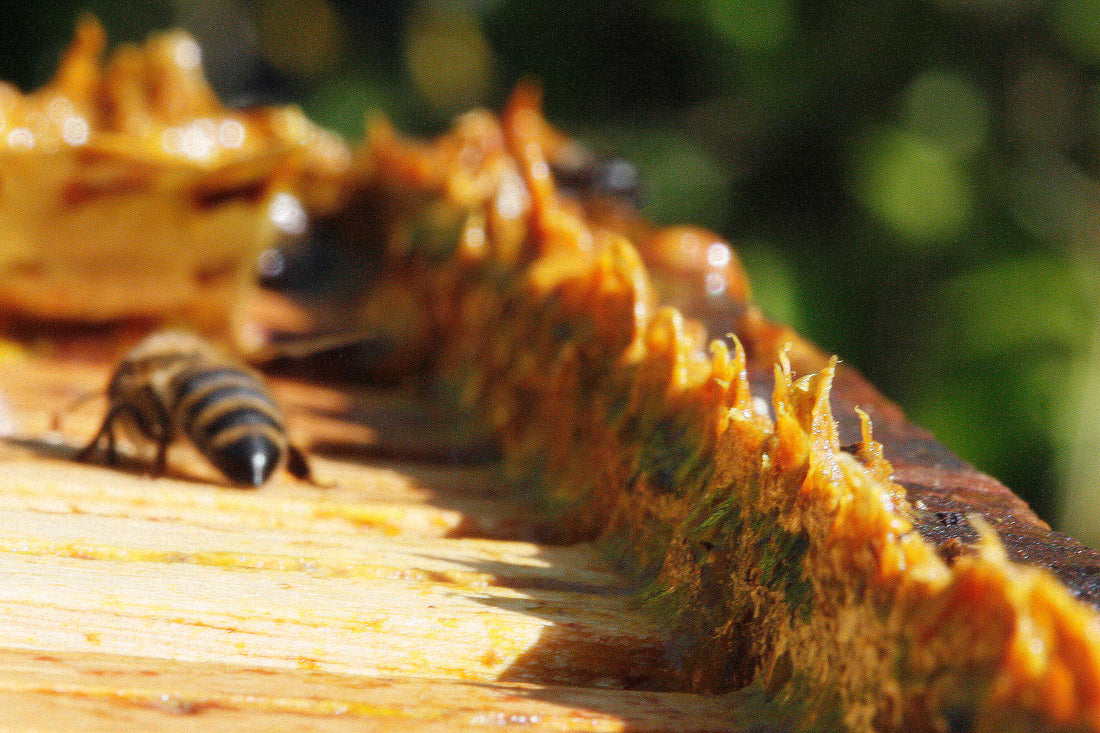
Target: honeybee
175 384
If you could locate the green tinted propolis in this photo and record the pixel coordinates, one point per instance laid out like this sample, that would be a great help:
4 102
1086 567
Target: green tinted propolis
777 560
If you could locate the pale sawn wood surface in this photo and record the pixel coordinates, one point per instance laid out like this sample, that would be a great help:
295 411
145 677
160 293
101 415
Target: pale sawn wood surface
403 597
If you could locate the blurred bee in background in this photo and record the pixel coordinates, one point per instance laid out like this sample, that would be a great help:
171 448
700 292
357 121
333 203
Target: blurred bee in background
173 384
588 176
352 272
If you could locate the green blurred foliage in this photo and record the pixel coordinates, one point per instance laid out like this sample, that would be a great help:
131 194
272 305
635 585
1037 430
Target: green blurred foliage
1077 23
1001 354
912 184
915 184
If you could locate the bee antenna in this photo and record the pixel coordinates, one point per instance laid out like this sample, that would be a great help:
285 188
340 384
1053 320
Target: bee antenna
301 347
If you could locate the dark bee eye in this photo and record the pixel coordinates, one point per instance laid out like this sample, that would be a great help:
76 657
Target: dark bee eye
249 460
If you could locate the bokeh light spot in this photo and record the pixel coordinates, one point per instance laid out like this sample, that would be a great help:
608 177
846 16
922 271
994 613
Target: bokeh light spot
949 109
20 138
447 56
914 185
288 214
75 130
187 54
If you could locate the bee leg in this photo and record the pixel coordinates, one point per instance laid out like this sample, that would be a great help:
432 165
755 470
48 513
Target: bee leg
297 465
160 463
106 431
111 454
163 431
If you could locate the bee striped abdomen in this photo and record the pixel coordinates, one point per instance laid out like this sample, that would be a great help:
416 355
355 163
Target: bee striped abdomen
232 420
174 384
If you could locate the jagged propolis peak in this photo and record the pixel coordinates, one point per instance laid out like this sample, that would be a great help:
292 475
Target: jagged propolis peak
1028 642
1013 628
153 102
161 80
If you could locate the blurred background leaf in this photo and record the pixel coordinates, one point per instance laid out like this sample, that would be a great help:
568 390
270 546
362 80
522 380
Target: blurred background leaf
913 185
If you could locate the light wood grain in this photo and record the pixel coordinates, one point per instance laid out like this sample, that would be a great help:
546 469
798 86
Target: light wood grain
99 692
386 602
